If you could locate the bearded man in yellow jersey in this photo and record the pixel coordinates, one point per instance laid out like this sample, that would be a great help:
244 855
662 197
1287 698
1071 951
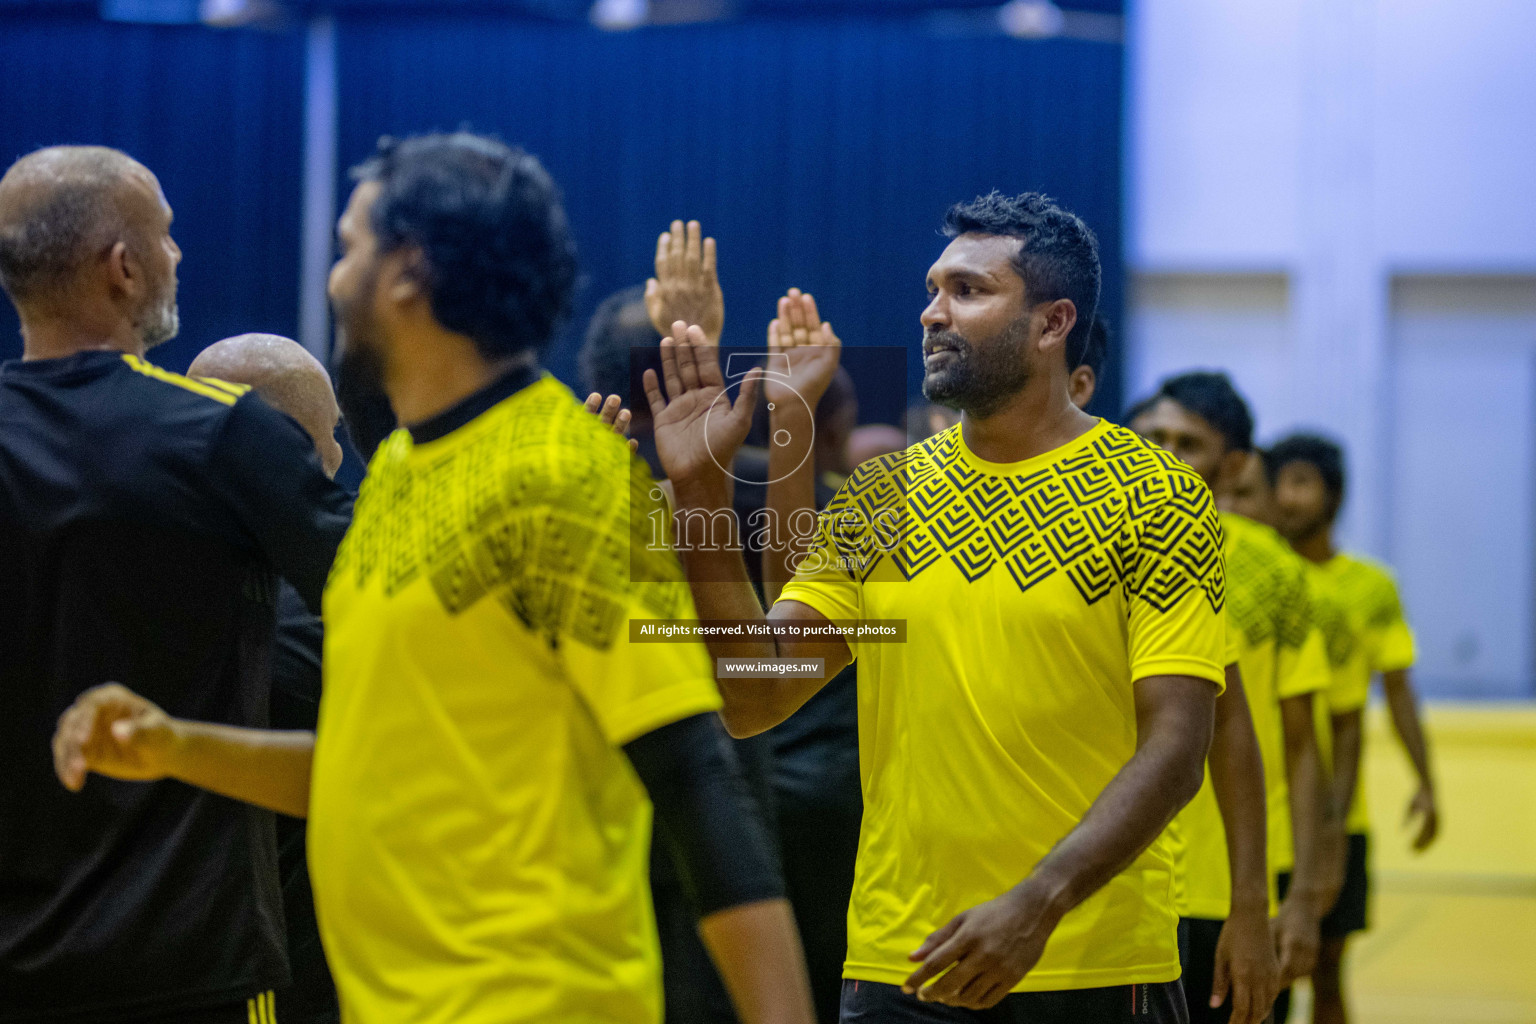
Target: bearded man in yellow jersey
1201 418
491 746
1061 583
1309 491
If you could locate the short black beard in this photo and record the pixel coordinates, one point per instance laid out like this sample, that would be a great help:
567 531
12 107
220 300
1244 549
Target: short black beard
365 408
981 379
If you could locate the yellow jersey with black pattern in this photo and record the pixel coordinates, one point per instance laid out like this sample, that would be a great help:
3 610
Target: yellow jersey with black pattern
479 842
1280 654
1379 640
1035 594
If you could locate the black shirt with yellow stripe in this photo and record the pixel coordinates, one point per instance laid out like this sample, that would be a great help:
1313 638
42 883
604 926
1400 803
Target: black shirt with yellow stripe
142 516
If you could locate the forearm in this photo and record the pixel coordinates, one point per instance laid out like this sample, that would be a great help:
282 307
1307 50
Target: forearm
1346 762
1312 815
791 494
757 951
1131 812
1237 776
1405 719
717 573
264 767
717 577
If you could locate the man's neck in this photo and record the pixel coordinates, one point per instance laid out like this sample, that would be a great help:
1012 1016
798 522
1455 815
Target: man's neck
1038 419
1317 546
427 378
59 339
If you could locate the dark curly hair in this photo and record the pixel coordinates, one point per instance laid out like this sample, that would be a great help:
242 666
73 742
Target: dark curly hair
497 251
1326 456
619 345
1211 396
1058 257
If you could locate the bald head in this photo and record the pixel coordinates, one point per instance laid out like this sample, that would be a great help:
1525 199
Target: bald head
287 378
84 233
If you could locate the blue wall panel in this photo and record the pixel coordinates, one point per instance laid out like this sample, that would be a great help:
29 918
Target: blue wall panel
216 115
821 154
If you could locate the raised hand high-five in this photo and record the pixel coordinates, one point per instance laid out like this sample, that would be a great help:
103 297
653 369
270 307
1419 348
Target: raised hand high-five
686 286
612 412
698 428
813 352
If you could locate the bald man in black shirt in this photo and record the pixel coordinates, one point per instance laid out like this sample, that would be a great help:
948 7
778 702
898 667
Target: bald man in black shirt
144 519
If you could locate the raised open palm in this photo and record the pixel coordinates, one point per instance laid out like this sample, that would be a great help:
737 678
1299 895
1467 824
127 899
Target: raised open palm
698 428
810 352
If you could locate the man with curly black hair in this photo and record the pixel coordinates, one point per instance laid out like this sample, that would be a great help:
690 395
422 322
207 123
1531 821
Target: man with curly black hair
491 742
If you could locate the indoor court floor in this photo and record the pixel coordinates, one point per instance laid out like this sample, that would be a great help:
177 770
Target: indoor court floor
1453 936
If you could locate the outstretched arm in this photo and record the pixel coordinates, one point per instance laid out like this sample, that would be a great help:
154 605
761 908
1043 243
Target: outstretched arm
992 946
113 731
698 430
806 354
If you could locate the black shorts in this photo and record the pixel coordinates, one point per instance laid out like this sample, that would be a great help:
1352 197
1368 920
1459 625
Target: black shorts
1197 958
1349 910
1349 913
871 1002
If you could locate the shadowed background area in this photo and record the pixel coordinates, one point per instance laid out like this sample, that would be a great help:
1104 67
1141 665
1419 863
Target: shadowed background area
820 152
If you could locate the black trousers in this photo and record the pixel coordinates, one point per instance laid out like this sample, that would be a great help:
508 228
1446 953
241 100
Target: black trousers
870 1002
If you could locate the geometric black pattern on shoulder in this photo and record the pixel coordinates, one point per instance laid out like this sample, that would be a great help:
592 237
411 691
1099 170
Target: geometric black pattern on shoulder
1369 591
1119 513
1332 619
1267 589
532 513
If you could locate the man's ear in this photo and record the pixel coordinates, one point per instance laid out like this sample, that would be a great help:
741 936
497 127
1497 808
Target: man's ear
1081 385
404 276
1060 316
124 273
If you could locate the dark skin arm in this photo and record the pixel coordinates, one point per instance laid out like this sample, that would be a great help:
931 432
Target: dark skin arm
1315 833
1346 760
808 349
1404 705
1245 958
987 950
693 441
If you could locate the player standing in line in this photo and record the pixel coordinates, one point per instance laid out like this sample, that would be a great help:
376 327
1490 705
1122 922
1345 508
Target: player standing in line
1201 418
1309 491
478 823
1234 974
1011 854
